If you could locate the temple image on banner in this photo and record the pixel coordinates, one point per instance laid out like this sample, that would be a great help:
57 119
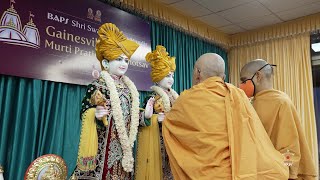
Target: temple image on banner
11 30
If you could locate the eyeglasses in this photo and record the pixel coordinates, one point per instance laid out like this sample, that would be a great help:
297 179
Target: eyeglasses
272 65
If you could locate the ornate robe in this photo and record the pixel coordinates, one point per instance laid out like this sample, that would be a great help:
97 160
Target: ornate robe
110 153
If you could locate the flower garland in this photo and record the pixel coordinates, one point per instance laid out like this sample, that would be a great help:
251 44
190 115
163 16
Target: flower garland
126 141
165 97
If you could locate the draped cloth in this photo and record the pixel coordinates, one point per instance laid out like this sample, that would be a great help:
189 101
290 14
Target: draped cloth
213 132
149 151
282 123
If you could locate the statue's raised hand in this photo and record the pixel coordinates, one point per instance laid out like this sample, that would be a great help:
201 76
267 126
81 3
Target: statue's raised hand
101 113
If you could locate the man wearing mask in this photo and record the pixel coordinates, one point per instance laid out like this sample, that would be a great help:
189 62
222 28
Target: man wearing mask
279 117
213 133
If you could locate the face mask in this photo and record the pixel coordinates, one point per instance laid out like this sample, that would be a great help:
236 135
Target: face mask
248 85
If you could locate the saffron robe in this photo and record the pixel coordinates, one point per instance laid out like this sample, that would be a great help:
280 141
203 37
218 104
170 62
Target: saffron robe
282 123
213 132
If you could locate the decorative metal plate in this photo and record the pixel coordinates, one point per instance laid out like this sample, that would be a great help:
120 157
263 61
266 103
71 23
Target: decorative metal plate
47 167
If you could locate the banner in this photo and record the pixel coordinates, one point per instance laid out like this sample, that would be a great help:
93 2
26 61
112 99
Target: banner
55 40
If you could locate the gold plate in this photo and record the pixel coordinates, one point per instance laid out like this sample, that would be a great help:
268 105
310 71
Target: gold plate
47 167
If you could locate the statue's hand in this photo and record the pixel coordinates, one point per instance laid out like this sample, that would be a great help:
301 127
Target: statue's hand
149 108
101 111
150 102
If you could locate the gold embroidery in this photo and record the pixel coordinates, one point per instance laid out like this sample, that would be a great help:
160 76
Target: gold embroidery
51 174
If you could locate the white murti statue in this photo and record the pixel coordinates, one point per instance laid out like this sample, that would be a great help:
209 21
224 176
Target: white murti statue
110 113
152 160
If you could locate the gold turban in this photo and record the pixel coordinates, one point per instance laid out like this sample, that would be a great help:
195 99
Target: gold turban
161 63
112 43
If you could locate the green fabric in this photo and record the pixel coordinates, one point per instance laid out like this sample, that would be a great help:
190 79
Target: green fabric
36 118
186 49
41 117
143 96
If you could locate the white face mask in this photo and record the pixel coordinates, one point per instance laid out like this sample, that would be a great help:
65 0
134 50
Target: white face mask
167 81
118 66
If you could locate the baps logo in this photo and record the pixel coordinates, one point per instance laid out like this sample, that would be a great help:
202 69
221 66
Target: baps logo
12 32
92 16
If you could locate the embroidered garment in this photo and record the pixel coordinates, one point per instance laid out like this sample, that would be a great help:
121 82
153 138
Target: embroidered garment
109 156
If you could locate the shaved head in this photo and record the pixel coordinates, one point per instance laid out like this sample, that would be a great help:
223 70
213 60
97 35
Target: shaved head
252 67
208 65
262 78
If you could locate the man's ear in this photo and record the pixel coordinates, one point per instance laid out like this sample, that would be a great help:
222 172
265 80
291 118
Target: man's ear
259 75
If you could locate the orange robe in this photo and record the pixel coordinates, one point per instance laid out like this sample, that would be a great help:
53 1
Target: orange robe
212 132
281 121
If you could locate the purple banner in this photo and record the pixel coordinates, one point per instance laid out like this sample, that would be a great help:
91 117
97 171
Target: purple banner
55 40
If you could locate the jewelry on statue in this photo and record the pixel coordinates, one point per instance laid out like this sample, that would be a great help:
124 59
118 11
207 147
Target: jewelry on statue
105 64
165 97
126 138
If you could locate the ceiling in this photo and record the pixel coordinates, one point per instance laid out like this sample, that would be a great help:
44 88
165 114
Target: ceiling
234 16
